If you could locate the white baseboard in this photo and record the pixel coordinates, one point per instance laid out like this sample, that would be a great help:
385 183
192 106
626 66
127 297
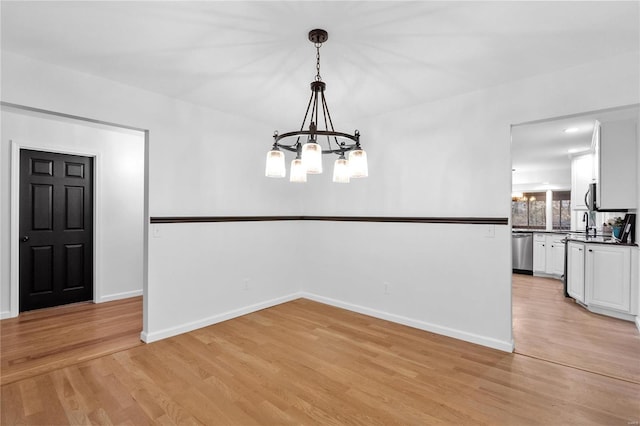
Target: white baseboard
506 346
204 322
118 296
5 315
611 313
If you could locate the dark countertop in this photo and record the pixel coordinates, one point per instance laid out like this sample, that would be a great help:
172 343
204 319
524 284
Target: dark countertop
543 231
578 236
599 239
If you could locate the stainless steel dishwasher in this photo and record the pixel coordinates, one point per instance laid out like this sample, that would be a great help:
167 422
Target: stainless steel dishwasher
522 252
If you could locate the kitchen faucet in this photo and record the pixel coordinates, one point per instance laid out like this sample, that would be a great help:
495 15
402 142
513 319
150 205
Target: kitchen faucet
585 219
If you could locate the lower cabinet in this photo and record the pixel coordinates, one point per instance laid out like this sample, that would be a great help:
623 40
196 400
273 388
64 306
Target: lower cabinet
575 270
604 278
548 254
555 255
539 254
608 277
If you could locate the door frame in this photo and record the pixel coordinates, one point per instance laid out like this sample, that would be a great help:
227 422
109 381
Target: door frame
16 146
14 215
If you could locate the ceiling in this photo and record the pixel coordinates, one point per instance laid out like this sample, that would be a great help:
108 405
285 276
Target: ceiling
254 58
541 151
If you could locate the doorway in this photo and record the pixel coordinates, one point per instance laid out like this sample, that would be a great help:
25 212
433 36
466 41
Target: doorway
546 324
56 229
120 197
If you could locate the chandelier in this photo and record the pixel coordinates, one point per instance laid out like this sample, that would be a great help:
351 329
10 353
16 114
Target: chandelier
308 150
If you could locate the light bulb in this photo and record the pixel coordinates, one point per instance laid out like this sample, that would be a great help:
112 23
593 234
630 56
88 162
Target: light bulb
298 173
275 164
312 157
341 172
358 164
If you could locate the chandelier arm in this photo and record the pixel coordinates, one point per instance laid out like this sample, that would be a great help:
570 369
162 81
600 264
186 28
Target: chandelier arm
354 138
339 151
315 108
290 148
327 114
326 124
306 114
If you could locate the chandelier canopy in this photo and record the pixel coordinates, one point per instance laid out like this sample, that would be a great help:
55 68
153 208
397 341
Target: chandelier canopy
308 150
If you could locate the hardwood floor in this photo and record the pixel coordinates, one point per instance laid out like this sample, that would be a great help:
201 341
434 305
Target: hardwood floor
307 363
40 341
549 326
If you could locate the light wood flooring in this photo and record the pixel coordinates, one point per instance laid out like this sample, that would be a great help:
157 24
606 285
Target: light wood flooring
40 341
307 363
552 327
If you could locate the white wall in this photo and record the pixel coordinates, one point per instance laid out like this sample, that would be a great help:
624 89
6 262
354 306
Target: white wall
448 279
119 167
204 273
201 162
449 158
200 159
446 158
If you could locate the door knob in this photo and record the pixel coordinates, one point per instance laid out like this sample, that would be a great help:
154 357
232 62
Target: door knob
25 239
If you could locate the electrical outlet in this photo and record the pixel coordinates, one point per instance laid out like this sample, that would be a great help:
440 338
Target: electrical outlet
386 288
245 284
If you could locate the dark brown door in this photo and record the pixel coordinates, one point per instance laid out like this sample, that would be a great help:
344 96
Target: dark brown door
56 229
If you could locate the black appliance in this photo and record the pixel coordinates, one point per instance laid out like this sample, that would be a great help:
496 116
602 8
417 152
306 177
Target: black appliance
590 198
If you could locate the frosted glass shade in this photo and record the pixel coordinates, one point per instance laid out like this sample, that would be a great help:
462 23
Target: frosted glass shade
341 171
298 172
275 164
358 164
312 158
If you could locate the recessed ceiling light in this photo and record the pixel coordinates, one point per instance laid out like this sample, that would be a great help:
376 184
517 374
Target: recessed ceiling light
571 130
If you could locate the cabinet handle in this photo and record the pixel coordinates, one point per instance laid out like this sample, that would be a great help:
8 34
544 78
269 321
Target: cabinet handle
591 251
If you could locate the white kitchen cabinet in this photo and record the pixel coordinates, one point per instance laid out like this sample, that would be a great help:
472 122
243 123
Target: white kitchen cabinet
575 270
539 253
555 255
548 254
595 151
616 156
608 277
581 177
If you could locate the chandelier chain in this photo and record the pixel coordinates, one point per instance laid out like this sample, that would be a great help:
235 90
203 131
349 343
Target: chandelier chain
318 45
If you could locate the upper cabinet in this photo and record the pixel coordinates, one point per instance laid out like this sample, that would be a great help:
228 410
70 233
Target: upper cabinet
615 165
581 177
612 164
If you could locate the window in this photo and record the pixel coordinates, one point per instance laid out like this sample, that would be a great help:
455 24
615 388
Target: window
519 213
561 211
529 211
